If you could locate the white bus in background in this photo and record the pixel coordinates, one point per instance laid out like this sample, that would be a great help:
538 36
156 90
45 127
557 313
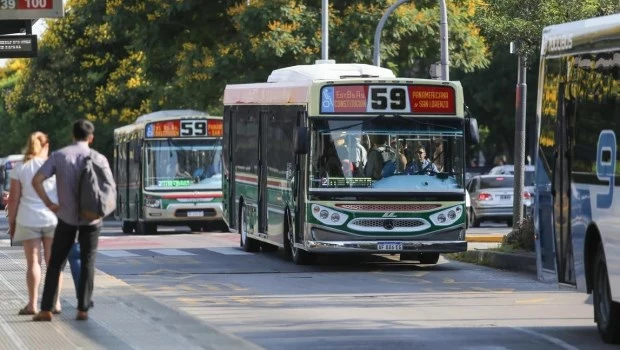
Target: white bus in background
10 163
577 213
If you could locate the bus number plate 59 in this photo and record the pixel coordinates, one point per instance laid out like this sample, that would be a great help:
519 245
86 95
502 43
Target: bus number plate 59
390 246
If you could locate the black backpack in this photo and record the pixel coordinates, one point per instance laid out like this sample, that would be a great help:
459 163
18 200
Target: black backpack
97 189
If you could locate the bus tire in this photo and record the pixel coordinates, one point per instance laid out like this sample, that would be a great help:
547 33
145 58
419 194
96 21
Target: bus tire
268 248
247 243
429 258
146 228
474 221
606 311
128 227
297 255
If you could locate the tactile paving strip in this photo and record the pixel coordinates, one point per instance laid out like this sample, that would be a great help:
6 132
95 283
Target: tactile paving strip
123 318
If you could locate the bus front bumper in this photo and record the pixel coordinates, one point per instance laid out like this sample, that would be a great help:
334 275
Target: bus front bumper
183 212
383 247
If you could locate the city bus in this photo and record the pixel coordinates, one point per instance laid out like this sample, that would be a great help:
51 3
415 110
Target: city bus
315 161
9 164
577 215
168 170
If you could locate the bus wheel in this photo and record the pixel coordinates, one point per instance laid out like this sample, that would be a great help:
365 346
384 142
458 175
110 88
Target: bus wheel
473 220
247 243
146 228
269 248
606 311
298 256
429 258
195 227
128 226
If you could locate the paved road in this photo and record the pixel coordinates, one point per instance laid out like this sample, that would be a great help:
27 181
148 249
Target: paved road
346 302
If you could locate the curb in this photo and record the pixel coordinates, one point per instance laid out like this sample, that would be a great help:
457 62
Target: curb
492 238
524 262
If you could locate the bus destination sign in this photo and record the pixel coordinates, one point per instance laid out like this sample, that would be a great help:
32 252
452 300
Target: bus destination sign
184 128
31 9
409 99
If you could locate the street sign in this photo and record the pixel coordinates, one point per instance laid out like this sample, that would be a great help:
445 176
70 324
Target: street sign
31 9
18 46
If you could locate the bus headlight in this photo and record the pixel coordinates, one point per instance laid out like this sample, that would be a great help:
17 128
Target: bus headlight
152 202
447 216
328 216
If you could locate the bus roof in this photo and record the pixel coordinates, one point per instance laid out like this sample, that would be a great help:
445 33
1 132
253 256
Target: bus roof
294 85
168 114
585 35
328 71
14 158
141 121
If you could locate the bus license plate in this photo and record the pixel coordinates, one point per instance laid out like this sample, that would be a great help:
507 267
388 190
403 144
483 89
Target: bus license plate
390 246
194 213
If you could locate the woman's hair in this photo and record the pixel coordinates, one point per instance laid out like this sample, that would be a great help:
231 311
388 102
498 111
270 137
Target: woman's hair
36 142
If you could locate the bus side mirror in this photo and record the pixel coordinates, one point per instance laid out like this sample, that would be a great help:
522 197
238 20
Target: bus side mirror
300 139
471 125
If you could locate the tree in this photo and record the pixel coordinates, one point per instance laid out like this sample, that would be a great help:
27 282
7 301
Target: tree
490 92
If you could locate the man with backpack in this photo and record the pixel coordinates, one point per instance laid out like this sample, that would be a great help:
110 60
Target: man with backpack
85 190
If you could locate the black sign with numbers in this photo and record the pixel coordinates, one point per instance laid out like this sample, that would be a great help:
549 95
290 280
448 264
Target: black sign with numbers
18 46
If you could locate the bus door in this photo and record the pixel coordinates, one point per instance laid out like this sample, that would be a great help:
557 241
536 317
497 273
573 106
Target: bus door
299 180
561 192
263 139
229 167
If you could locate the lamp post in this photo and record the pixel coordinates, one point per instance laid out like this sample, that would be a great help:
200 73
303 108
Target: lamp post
519 151
443 30
325 30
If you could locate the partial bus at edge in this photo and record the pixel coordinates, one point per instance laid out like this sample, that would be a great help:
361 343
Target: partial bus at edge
169 172
577 214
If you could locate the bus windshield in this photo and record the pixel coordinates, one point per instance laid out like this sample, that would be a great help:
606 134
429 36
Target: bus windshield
182 165
387 154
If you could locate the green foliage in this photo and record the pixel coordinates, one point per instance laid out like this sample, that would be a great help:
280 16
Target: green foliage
111 61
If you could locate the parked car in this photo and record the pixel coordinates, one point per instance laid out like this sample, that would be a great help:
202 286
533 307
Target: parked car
529 178
491 199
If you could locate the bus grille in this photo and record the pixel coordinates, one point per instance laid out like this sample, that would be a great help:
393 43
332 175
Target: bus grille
389 207
388 225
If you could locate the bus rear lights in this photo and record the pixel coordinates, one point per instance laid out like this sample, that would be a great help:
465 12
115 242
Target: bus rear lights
485 196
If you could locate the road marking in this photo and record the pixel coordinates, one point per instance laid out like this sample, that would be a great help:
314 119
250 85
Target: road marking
228 251
117 253
531 301
553 340
171 252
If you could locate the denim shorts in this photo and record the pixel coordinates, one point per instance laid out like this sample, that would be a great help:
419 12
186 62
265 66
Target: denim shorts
24 233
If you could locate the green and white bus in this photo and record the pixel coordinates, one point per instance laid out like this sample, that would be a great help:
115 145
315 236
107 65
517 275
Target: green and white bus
168 170
298 152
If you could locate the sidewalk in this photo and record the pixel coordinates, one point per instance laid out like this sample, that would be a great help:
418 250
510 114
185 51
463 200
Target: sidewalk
123 318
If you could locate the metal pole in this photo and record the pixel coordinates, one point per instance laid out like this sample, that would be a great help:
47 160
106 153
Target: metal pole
325 31
519 155
376 57
443 32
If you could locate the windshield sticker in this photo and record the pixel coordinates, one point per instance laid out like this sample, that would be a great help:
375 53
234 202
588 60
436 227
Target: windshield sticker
174 183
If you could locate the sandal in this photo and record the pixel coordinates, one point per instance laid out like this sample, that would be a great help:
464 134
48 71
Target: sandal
25 311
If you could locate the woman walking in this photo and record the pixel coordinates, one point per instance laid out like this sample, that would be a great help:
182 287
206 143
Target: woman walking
30 221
